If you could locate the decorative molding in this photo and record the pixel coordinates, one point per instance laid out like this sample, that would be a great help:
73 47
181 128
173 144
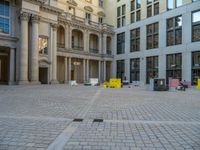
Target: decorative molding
54 26
51 9
38 2
101 13
72 2
88 8
24 16
35 18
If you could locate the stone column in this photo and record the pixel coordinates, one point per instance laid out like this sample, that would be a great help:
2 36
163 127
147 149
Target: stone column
70 68
23 53
66 70
99 71
69 37
100 44
88 70
84 76
54 55
104 70
34 51
104 43
12 67
66 37
86 41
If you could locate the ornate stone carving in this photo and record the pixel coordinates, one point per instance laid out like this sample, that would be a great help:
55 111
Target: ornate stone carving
72 2
54 26
101 13
88 8
35 18
24 16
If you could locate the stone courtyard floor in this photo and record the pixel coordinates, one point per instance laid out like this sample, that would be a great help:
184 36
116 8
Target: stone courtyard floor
42 117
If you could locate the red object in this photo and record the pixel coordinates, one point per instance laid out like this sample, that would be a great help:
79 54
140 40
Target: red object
173 83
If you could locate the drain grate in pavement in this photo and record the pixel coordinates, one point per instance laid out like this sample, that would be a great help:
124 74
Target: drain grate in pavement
98 120
77 120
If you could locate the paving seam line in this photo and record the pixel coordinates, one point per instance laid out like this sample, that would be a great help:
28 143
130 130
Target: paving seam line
153 122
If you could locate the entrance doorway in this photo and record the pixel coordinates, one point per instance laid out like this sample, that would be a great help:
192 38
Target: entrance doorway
43 75
4 68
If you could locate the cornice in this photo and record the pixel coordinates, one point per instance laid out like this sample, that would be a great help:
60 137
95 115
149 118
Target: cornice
51 9
38 2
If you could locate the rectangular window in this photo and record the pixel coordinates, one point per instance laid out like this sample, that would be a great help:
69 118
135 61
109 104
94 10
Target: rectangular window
152 35
138 15
138 4
100 3
121 16
121 43
4 17
134 69
195 67
178 3
156 9
135 40
174 31
149 11
196 26
120 69
118 11
170 4
174 66
100 20
132 17
132 5
152 68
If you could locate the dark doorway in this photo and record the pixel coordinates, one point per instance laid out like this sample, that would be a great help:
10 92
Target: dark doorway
4 68
43 75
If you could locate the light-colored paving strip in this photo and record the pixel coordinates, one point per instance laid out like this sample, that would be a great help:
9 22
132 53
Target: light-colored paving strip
87 107
153 122
35 118
64 137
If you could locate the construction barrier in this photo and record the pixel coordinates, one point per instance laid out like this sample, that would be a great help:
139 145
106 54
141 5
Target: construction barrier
198 83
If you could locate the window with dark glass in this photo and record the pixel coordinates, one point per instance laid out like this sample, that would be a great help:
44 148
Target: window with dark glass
121 43
138 15
152 35
151 68
149 11
134 69
100 3
195 67
196 26
121 16
135 40
174 31
156 9
135 11
4 17
174 66
120 69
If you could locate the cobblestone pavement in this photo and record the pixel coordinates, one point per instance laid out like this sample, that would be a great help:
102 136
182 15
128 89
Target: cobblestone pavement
41 117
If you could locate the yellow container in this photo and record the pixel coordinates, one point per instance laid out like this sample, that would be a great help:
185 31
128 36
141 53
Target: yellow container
198 84
105 84
115 83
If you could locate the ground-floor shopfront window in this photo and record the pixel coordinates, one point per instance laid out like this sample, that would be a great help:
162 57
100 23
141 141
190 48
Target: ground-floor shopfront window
120 69
195 67
174 65
152 68
134 69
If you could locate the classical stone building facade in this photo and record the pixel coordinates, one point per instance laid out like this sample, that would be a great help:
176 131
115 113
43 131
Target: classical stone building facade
49 41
